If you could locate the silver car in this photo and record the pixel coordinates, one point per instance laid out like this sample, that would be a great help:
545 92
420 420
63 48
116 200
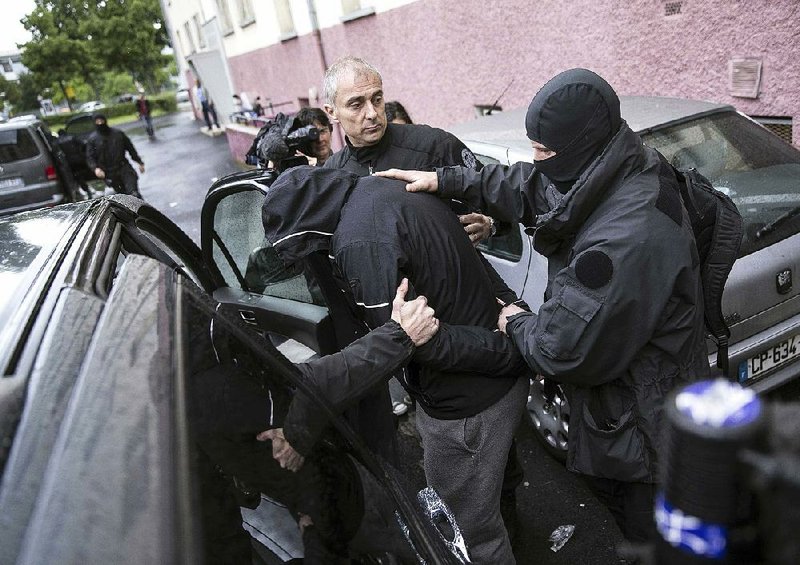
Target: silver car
33 169
758 170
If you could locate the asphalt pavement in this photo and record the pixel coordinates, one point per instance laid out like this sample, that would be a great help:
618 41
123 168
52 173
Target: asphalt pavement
182 162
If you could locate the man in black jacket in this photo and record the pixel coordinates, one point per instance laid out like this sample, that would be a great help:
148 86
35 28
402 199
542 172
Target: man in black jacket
105 155
354 99
468 381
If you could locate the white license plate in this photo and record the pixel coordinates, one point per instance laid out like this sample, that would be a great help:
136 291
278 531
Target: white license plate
9 183
769 359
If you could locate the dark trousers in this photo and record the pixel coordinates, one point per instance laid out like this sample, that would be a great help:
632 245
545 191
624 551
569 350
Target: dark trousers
124 180
631 505
148 124
209 113
464 462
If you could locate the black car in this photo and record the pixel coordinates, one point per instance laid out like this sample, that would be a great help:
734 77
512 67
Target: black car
72 139
109 340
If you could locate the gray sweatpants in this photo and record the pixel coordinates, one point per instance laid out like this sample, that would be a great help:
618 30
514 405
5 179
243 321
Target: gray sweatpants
464 461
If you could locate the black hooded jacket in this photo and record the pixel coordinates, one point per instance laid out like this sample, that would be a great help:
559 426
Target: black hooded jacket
107 150
622 321
377 233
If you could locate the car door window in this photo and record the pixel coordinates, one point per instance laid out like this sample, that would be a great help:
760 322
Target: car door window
507 244
16 145
245 258
80 125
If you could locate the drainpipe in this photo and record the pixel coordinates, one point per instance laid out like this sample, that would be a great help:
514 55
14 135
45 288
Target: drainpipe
312 16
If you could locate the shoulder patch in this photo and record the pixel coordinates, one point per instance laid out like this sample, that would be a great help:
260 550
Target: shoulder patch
468 158
669 199
594 269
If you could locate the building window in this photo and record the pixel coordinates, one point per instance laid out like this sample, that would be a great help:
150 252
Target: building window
246 14
181 45
198 29
285 20
350 6
189 39
352 10
225 21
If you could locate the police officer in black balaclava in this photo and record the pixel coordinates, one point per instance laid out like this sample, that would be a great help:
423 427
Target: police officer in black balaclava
573 116
105 155
621 324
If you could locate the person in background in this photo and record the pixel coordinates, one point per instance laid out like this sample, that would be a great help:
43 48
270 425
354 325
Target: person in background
321 148
396 113
206 104
237 104
143 109
105 155
258 109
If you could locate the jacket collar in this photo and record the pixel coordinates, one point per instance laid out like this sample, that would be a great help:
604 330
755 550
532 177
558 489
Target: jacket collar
371 153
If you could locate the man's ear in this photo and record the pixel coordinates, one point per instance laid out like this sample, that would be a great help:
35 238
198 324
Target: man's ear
331 111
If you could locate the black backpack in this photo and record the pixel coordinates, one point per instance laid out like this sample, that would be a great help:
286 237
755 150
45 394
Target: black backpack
717 227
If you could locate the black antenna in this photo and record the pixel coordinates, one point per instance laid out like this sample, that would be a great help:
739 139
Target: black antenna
493 106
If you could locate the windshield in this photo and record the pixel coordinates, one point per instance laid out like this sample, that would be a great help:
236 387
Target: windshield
758 170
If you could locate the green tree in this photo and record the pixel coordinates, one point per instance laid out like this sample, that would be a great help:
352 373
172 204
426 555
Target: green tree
115 83
30 88
60 49
128 36
74 40
9 93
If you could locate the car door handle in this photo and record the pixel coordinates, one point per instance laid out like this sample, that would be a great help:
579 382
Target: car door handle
249 317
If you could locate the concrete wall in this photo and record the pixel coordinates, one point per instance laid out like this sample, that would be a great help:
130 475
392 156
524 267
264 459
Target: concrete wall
442 57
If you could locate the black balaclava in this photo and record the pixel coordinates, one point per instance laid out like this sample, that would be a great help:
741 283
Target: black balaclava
101 128
575 114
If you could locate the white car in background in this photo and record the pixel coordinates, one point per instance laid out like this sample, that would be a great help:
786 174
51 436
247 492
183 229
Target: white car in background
91 106
756 168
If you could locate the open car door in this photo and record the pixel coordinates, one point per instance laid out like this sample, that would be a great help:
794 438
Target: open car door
250 280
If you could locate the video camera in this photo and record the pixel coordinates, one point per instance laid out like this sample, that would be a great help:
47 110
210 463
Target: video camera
278 141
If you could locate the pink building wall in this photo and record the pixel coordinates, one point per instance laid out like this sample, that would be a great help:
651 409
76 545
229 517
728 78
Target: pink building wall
442 57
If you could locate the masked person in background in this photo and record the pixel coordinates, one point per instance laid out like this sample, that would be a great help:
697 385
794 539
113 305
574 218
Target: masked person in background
622 320
105 155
